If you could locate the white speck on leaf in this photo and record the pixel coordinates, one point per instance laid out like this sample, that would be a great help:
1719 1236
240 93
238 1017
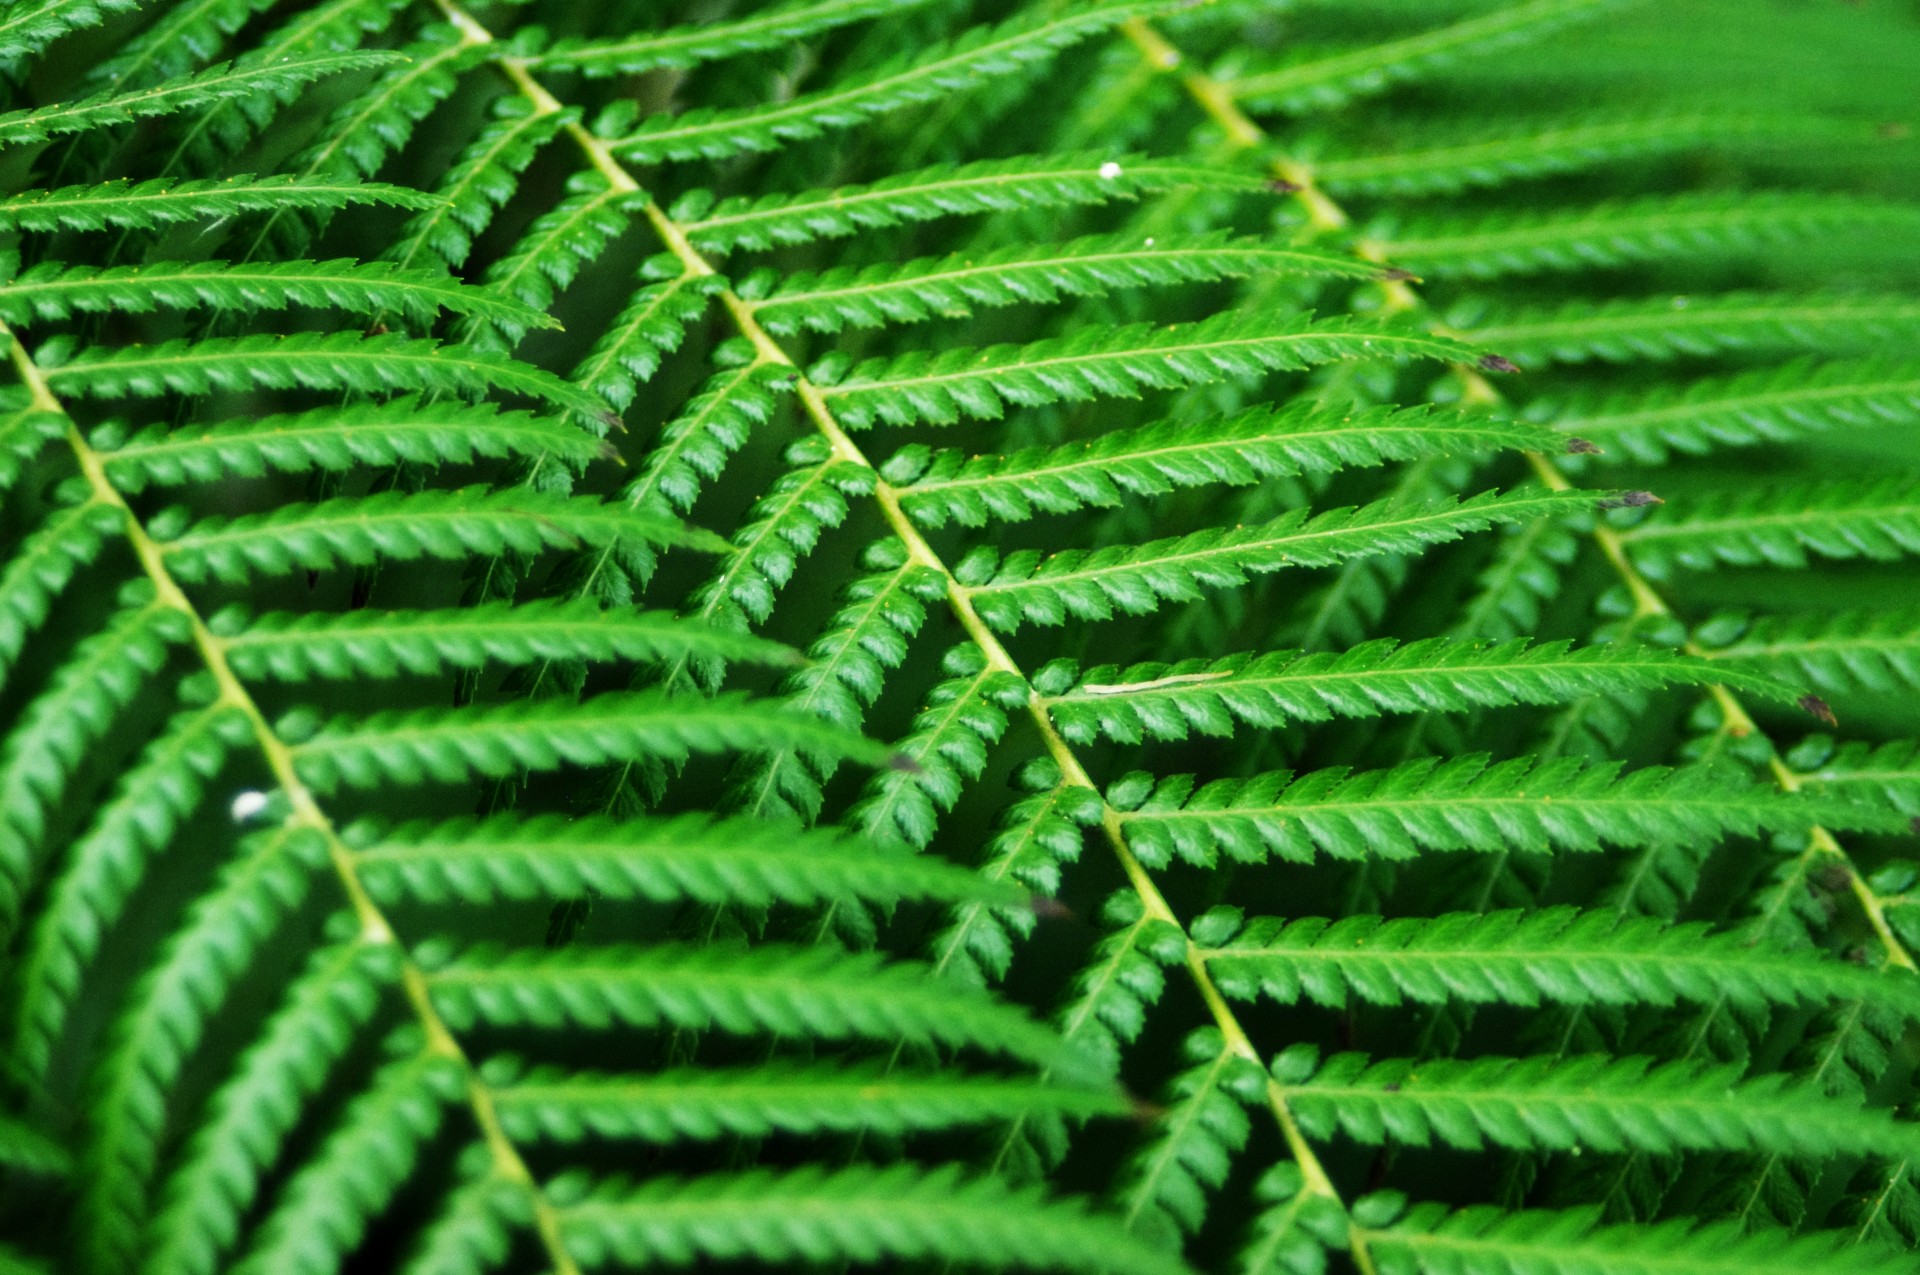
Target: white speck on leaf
248 804
1110 170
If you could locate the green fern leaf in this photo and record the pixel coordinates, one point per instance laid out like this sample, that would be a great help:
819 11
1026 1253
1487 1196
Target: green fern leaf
999 185
1558 954
1464 159
1781 526
694 857
1669 327
1848 653
398 431
964 63
1540 1243
687 46
949 287
550 1104
226 82
1325 82
1615 234
50 292
1614 1104
401 526
1169 701
1262 443
1116 362
384 644
814 991
1772 405
450 745
146 205
1463 804
901 1213
1028 588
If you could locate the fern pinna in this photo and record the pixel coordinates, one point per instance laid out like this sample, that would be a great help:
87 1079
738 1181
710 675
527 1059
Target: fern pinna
942 634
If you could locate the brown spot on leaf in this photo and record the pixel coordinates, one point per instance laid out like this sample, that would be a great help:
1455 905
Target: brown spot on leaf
1819 708
1629 500
1582 447
1281 186
1495 363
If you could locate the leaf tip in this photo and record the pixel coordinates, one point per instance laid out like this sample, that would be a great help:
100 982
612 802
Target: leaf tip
1496 363
1629 500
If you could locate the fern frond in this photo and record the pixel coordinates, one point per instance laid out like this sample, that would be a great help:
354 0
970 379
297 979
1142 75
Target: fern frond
713 424
1783 525
1663 328
42 565
51 291
23 436
30 26
953 190
1321 83
900 1213
154 1039
77 711
1618 233
653 324
683 857
949 287
1767 406
686 46
552 1104
325 1210
1108 362
1464 803
1847 653
982 53
1559 956
559 243
811 991
182 37
847 667
105 865
1861 771
1470 158
206 1195
1430 1238
312 361
1039 833
483 178
226 82
947 746
161 201
1167 1185
383 644
1261 443
448 745
25 1149
1168 701
398 431
401 526
1027 587
1597 1102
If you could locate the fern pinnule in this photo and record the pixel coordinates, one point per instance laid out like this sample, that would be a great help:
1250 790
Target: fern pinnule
1431 675
998 185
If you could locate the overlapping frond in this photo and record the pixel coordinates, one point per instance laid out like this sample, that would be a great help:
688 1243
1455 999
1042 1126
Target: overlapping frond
710 670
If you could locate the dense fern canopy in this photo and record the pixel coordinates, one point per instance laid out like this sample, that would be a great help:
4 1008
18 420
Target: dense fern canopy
1118 636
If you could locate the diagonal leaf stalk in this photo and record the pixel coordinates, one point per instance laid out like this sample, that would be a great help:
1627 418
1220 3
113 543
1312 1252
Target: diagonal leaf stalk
305 811
959 596
1216 99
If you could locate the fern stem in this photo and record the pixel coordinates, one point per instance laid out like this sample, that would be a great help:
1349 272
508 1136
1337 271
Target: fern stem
1325 214
305 810
959 596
